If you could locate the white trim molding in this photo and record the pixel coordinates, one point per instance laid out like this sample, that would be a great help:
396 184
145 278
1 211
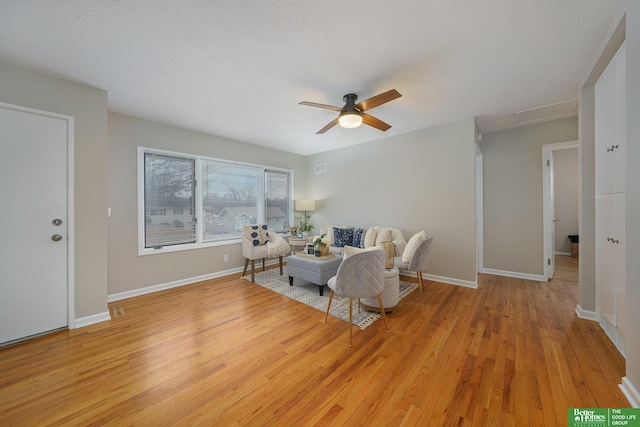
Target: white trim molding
451 281
630 392
441 279
515 274
177 283
586 314
93 319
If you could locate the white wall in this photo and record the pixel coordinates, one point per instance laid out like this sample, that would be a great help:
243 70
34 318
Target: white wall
423 180
89 108
513 215
566 178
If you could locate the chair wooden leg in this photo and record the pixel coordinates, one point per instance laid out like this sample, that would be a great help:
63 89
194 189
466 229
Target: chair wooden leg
246 264
328 307
350 322
263 264
253 270
382 311
281 265
420 286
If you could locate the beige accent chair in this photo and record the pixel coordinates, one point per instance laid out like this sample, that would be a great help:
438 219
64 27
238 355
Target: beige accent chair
359 276
276 246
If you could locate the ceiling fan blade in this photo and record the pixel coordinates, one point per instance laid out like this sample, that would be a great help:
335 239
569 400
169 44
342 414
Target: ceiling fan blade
378 100
326 107
368 119
329 125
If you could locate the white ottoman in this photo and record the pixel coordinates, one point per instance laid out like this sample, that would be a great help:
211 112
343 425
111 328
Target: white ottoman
390 294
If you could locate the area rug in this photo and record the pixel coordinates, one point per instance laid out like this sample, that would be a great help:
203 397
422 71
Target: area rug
307 293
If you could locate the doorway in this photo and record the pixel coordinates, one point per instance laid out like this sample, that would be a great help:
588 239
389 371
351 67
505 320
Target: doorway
549 215
36 253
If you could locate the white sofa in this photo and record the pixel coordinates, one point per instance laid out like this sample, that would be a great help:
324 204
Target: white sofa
372 236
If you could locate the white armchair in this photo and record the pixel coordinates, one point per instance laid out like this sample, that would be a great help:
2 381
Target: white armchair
276 246
417 259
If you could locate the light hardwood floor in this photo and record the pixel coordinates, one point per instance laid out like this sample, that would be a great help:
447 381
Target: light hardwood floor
227 352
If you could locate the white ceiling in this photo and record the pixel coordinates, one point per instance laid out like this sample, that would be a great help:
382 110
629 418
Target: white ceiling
238 68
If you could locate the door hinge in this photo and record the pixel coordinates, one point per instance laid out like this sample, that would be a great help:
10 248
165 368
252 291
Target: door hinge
548 162
548 261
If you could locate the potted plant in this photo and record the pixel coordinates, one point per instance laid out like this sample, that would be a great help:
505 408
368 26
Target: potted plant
305 224
321 243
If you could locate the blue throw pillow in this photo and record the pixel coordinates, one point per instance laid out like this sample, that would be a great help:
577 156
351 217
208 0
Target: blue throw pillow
342 237
257 234
357 238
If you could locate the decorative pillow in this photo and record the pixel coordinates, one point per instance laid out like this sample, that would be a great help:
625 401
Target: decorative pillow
257 234
328 230
412 245
342 236
357 238
384 235
350 250
370 237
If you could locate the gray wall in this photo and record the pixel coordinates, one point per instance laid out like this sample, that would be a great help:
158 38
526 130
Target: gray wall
89 108
632 340
566 179
127 270
513 215
423 180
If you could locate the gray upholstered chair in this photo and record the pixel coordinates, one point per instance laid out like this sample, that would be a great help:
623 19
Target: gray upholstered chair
418 262
359 276
276 246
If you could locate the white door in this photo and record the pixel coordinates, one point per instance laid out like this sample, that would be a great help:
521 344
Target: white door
33 222
551 261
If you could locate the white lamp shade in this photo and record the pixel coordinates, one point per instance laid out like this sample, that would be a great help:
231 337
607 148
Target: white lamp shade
350 120
305 205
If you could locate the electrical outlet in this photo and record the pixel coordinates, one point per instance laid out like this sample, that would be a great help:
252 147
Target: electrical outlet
226 258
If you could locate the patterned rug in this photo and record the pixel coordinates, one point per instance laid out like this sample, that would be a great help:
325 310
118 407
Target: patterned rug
307 293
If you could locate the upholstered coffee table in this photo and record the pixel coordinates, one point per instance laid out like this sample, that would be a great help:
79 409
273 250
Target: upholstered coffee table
316 270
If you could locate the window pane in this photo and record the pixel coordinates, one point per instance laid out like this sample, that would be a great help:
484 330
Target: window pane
169 202
229 199
277 200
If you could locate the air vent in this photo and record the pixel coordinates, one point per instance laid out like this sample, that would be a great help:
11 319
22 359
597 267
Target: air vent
321 168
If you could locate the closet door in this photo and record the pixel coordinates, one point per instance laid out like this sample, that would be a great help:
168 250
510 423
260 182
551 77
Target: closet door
620 263
605 257
609 130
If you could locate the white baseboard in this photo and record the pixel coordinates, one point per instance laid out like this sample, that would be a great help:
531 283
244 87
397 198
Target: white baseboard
93 319
630 392
441 279
515 274
451 281
563 253
163 286
586 314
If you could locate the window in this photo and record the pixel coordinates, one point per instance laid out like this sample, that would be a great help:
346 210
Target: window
169 183
278 198
192 201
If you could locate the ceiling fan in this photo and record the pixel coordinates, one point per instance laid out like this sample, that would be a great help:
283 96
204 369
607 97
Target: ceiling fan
353 115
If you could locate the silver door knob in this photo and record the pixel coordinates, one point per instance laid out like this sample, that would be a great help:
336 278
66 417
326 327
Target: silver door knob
56 237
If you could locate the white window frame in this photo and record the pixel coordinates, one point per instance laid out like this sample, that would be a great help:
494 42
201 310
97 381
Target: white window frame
199 243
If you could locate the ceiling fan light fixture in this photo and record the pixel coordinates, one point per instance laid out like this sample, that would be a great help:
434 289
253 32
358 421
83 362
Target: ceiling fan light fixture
350 119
